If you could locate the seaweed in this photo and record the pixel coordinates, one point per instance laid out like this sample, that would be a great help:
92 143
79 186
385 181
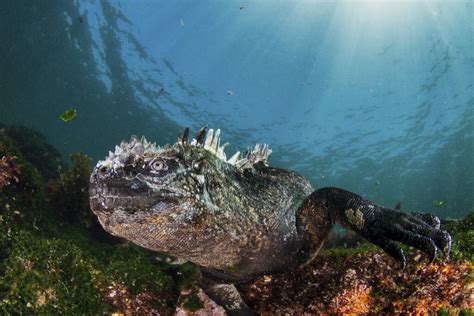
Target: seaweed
9 170
367 282
68 195
190 300
68 115
50 263
462 232
35 149
24 198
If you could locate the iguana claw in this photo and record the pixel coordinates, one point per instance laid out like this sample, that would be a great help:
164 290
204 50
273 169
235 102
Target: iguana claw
380 225
421 232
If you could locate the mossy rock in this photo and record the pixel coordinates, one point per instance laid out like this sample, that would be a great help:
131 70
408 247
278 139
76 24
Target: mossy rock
51 264
35 149
462 232
48 276
66 272
23 199
69 196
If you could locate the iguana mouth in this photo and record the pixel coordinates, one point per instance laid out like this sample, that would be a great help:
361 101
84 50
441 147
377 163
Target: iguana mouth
107 198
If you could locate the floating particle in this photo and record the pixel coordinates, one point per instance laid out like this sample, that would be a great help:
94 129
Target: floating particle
68 115
160 93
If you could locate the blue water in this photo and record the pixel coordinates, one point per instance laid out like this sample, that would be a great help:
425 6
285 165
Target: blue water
371 96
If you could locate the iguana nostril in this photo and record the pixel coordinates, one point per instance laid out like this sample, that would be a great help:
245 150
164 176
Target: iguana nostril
128 171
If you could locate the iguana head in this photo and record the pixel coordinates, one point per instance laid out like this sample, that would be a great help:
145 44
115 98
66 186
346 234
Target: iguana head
157 196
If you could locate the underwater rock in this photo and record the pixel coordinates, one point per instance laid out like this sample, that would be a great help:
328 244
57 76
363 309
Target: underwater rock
22 188
209 307
35 149
68 197
462 231
9 170
340 282
50 265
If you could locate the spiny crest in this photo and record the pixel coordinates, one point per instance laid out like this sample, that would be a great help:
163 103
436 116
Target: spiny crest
210 141
251 157
135 148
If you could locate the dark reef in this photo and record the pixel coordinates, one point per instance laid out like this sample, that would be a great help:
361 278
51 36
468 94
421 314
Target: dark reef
56 259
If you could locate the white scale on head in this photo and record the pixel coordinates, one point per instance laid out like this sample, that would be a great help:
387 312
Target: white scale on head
141 147
260 153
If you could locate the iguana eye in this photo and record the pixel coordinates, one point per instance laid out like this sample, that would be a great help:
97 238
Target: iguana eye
158 165
197 166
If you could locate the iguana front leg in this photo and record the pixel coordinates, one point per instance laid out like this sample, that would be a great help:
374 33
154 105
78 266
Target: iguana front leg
380 225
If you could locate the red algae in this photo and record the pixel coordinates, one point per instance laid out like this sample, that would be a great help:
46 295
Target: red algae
364 283
9 170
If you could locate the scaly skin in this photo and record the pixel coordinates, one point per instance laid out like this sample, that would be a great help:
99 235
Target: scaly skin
238 218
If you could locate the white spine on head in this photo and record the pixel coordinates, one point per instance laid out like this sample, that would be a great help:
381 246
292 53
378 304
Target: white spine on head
211 143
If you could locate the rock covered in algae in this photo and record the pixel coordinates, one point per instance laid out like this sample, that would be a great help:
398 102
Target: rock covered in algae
50 265
366 282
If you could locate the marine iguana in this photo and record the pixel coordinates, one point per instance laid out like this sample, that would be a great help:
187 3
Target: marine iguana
237 218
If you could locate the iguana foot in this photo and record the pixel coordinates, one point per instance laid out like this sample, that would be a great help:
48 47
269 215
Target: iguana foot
384 226
380 225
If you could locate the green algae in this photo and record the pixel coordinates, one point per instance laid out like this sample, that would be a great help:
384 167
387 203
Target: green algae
438 203
48 275
50 263
26 199
191 302
462 233
35 149
68 196
68 115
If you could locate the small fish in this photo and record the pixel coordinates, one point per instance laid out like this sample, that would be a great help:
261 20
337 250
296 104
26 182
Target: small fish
230 93
377 182
68 115
81 19
241 8
438 203
398 206
181 22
